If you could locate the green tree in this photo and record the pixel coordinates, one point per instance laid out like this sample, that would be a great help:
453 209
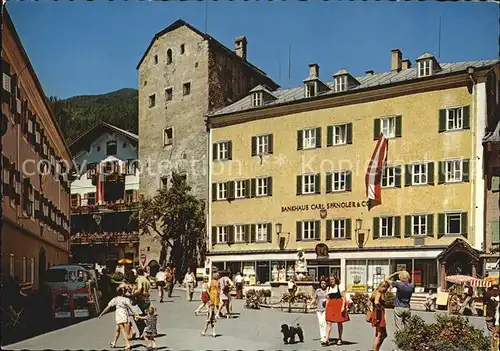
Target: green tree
178 217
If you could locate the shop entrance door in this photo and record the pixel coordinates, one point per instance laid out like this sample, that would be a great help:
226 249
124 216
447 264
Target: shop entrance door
335 271
323 271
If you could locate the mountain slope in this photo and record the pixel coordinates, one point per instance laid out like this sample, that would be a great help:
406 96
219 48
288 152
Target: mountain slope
76 114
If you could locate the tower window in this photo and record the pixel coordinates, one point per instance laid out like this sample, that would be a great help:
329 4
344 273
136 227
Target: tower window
156 59
152 100
186 89
182 49
169 56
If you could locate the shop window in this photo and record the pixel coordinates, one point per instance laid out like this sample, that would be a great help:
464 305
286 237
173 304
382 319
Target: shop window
239 186
111 148
278 271
263 271
239 233
378 271
221 234
262 232
222 191
356 273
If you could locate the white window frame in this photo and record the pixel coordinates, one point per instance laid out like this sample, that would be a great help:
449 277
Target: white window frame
239 233
310 89
455 116
32 270
262 144
12 265
340 84
239 189
386 227
25 270
257 99
451 171
222 150
30 126
425 68
419 224
389 177
166 140
447 216
419 178
262 186
308 230
6 82
261 233
339 181
31 202
308 183
18 105
388 126
339 228
340 134
152 100
309 138
222 191
222 234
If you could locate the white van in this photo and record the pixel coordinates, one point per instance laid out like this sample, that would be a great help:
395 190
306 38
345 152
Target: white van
66 277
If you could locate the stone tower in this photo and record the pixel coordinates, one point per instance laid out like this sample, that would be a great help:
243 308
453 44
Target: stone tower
183 75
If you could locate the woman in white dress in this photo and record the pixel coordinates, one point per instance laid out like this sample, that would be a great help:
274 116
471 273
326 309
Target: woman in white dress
122 305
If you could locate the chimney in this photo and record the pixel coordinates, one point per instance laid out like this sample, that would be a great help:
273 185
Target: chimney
396 58
406 64
370 72
314 70
240 47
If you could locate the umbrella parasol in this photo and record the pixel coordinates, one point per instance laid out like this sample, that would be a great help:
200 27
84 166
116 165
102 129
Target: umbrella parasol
462 279
125 261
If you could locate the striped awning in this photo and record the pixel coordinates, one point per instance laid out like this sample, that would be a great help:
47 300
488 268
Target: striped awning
479 283
463 279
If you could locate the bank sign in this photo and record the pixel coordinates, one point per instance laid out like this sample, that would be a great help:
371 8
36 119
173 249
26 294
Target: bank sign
325 206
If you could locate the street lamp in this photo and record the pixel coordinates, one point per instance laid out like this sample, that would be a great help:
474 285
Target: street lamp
281 240
361 236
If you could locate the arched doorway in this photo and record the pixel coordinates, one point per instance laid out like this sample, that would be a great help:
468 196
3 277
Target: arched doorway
41 267
154 267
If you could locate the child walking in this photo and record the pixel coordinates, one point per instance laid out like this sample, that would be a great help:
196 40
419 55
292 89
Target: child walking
150 330
204 295
122 305
210 321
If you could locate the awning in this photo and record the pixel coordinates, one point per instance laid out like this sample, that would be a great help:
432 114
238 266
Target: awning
463 279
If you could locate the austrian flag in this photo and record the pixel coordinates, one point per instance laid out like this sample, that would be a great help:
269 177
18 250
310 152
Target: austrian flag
373 178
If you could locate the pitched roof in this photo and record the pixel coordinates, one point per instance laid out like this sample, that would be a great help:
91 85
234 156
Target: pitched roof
296 94
493 137
95 131
425 55
179 23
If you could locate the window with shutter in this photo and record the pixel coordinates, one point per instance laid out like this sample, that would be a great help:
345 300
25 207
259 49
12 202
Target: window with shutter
262 186
338 228
453 223
453 171
308 230
262 232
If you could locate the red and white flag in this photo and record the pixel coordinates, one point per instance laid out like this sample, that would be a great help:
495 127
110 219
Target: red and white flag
373 177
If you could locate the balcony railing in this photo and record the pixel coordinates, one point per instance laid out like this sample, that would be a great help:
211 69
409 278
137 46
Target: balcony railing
108 238
117 207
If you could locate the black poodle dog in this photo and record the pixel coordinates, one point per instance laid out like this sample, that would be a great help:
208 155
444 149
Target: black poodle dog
289 333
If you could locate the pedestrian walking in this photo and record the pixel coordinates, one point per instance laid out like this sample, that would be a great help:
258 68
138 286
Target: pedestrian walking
378 314
336 311
142 290
189 280
161 282
238 280
213 292
211 319
404 291
225 285
128 292
122 305
150 331
319 301
469 301
204 295
170 279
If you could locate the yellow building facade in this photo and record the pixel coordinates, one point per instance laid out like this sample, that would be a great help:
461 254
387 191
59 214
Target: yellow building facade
288 173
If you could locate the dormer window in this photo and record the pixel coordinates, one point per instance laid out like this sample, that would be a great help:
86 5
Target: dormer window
340 84
257 99
310 89
425 68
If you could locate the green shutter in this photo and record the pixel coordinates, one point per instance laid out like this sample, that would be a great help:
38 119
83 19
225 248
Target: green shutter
464 223
441 225
328 229
430 225
349 133
495 232
248 230
248 188
408 175
397 176
397 226
300 140
230 234
254 146
466 117
214 235
430 173
299 185
329 136
270 186
465 170
317 230
348 181
376 227
399 126
269 232
328 183
441 172
270 147
442 120
495 184
229 150
252 233
408 226
318 137
348 229
376 128
253 187
214 152
298 226
214 191
317 183
230 190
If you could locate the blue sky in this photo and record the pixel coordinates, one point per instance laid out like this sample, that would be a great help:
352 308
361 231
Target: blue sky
80 48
